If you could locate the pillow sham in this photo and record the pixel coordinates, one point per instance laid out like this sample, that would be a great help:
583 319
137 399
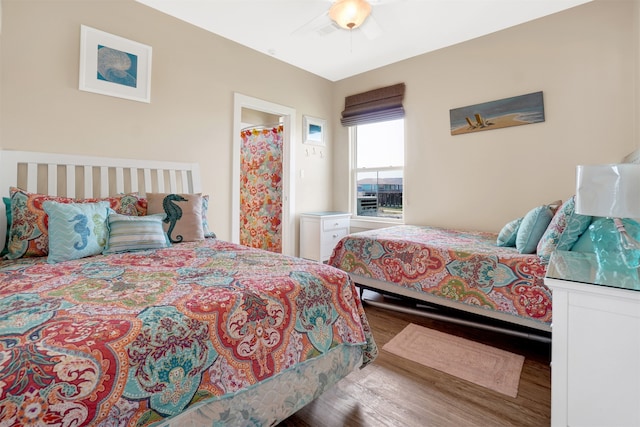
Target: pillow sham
183 222
508 234
76 230
533 226
130 204
135 233
29 235
563 231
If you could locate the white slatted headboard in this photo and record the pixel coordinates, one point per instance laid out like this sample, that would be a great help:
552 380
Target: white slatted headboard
84 177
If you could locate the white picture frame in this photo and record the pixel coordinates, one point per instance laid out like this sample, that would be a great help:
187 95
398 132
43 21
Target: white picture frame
114 66
314 131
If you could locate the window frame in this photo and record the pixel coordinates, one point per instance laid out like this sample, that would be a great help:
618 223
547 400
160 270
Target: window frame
353 184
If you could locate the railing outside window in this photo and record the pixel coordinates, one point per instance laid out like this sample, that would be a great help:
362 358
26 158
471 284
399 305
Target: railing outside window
378 169
379 192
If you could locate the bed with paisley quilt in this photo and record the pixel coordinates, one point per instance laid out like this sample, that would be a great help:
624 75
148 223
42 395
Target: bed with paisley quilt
462 270
200 332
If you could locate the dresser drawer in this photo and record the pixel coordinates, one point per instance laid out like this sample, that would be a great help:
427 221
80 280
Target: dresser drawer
320 232
329 241
329 224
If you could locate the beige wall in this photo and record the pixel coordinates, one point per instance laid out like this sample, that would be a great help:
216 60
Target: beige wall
190 117
584 61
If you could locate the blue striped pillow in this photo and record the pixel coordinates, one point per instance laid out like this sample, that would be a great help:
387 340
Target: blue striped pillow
135 233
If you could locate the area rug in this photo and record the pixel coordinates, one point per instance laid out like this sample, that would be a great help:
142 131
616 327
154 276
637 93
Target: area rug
478 363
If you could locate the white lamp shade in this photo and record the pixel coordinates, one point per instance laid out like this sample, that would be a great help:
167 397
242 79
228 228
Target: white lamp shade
350 14
608 190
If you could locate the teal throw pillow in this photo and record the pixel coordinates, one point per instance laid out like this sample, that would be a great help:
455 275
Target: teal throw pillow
135 233
76 230
584 243
563 231
508 234
7 206
533 226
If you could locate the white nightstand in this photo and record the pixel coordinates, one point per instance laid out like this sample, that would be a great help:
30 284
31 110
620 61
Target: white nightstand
320 232
595 353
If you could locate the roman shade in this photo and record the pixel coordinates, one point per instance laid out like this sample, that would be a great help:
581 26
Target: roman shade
377 105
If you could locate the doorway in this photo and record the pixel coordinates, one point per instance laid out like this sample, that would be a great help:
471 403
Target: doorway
287 117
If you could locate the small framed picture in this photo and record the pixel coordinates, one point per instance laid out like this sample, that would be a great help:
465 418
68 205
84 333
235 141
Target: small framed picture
314 130
114 66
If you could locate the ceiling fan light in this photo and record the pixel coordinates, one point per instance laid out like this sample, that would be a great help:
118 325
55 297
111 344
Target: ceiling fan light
350 14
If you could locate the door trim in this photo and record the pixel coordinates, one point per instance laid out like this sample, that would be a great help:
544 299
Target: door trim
288 115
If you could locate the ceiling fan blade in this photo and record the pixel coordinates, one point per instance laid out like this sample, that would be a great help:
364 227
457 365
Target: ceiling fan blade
377 2
322 25
371 29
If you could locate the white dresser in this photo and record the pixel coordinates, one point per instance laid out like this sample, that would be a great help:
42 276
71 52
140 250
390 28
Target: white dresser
595 353
320 232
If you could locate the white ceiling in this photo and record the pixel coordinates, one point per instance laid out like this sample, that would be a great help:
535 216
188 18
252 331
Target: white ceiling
300 33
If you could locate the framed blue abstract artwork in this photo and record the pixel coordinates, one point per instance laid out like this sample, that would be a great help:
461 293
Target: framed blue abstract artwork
114 66
314 130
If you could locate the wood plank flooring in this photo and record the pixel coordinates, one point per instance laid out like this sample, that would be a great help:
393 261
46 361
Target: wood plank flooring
393 391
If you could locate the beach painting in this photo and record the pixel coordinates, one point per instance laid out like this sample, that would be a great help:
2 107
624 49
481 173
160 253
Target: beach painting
514 111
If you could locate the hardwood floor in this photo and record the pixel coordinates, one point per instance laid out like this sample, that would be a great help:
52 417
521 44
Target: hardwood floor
393 391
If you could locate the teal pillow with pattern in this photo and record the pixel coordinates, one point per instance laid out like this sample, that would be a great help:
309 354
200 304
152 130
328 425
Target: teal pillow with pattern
563 232
76 230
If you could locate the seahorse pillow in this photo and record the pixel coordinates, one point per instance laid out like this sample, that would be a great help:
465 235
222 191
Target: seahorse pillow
76 230
183 221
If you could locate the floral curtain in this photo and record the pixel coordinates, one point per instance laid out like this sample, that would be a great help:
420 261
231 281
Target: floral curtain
261 188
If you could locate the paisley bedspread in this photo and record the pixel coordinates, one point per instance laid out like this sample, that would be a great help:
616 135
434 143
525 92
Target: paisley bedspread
465 266
137 338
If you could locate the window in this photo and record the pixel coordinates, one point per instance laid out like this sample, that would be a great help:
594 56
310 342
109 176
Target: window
378 169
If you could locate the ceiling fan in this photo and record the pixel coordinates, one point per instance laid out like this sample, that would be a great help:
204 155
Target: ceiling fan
346 15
